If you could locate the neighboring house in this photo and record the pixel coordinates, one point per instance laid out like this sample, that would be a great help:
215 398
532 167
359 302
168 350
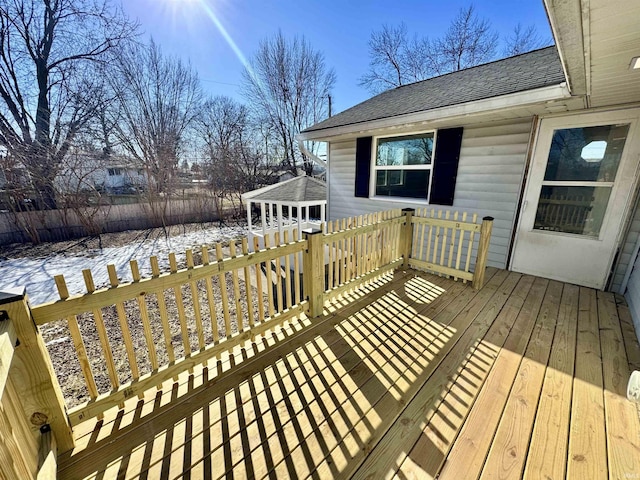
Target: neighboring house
318 172
86 171
546 142
285 175
118 177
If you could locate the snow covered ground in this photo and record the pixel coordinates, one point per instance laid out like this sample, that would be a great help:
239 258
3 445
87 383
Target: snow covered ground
37 273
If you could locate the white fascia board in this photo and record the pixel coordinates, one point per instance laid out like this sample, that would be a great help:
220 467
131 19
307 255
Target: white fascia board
488 105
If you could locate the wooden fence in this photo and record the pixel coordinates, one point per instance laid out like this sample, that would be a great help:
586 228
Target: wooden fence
129 337
66 224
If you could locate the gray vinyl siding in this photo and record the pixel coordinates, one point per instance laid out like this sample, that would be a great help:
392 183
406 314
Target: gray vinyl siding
489 181
633 296
625 253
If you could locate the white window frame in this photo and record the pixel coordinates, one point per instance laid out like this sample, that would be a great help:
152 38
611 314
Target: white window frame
375 168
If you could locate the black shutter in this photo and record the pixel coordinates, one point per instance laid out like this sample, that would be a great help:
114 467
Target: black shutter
363 166
445 166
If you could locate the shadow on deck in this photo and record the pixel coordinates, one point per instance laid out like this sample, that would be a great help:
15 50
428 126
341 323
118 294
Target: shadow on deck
413 375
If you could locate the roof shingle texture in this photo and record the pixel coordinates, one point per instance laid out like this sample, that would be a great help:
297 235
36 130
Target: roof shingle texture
300 189
540 68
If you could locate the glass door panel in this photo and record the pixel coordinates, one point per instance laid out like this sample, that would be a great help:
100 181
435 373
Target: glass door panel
578 179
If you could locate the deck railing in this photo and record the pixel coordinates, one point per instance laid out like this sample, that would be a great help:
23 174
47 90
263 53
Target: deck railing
170 322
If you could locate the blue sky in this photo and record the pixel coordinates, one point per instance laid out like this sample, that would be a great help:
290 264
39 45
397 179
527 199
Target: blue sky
338 28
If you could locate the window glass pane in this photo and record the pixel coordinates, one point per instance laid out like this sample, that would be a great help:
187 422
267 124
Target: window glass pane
403 183
578 210
408 150
588 154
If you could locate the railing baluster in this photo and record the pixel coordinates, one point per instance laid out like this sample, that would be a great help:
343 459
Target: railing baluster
247 285
276 239
269 273
472 235
336 264
347 243
124 326
78 343
427 257
460 242
421 246
210 297
330 284
343 249
162 307
236 288
296 269
222 280
182 317
443 248
452 243
258 270
195 300
144 317
287 273
102 332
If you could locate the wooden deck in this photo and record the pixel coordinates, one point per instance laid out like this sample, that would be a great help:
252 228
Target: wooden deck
415 376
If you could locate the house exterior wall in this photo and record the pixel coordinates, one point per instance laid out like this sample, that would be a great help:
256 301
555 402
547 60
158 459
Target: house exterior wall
626 252
490 171
633 295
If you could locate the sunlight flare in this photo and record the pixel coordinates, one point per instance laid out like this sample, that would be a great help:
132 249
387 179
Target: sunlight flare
223 31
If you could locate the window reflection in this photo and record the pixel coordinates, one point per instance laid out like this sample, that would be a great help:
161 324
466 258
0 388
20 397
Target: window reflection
578 210
566 160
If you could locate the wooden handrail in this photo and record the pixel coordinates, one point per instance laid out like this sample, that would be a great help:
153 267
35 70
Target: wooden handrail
357 250
77 304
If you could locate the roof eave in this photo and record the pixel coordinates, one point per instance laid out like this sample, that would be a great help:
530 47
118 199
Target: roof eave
513 100
567 23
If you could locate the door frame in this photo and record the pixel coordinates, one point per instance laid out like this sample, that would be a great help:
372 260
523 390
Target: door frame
600 116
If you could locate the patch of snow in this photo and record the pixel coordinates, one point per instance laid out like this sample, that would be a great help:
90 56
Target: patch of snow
57 340
37 274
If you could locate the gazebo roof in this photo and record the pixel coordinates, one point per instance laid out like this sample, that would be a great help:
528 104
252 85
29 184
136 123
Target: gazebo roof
295 190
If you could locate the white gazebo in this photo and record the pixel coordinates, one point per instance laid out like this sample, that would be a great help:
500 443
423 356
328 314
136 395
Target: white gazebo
298 203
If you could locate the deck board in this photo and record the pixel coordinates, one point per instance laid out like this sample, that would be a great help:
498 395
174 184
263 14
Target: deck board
547 456
444 426
587 457
413 376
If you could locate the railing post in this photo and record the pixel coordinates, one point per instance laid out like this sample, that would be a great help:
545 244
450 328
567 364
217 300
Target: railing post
34 378
407 240
483 250
313 277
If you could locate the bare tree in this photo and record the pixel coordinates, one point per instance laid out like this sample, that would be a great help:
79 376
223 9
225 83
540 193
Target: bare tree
155 111
468 41
78 191
49 88
235 160
522 40
288 84
397 59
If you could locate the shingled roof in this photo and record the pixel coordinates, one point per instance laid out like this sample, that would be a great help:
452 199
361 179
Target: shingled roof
295 190
536 69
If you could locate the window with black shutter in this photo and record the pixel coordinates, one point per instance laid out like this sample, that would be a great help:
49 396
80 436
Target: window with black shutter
421 166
